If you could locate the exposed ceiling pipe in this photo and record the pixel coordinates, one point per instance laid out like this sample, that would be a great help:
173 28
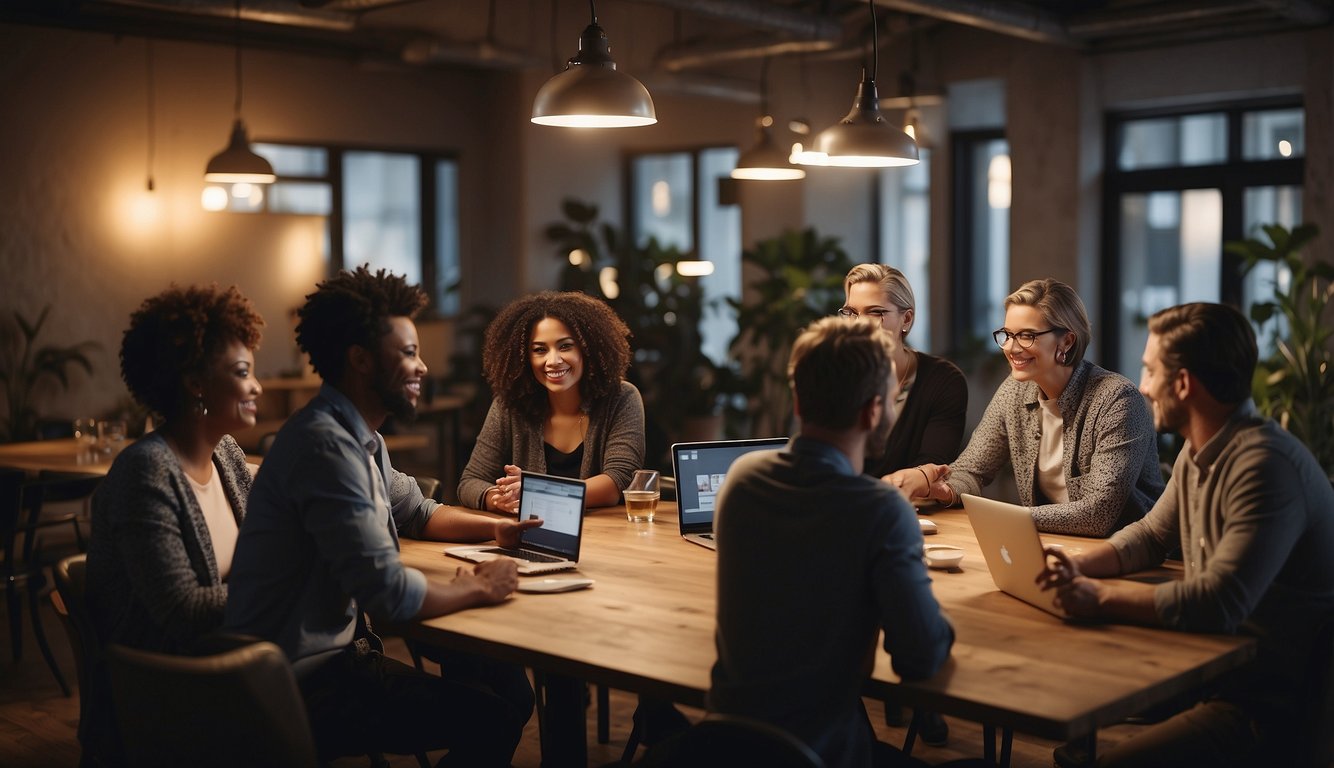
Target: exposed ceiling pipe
1006 18
482 55
354 5
722 88
761 15
1300 11
1152 19
264 11
678 56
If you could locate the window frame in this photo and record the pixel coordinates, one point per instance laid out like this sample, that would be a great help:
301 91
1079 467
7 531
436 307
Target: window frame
1232 178
963 192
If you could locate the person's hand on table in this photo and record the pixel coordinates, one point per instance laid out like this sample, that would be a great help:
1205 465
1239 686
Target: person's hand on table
923 482
509 531
493 580
504 496
1076 594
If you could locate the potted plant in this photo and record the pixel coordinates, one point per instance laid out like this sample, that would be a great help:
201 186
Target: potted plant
800 279
22 366
1295 386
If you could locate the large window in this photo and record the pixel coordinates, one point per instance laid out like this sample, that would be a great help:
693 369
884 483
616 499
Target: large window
1180 184
674 198
904 236
391 210
981 235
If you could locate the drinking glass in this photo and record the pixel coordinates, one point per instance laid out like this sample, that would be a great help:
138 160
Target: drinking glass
85 431
111 436
641 497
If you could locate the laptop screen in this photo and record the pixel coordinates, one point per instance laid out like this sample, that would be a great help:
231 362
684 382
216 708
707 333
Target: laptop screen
559 501
700 470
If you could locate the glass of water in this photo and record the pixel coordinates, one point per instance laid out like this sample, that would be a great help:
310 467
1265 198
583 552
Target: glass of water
641 497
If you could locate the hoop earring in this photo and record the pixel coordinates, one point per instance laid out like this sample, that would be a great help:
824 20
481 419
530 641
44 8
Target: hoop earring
1062 356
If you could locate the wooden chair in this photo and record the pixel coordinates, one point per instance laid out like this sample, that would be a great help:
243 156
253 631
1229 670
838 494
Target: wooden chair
97 725
430 487
239 707
24 564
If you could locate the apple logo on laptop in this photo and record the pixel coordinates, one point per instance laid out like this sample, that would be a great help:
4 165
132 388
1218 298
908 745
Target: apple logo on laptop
1005 555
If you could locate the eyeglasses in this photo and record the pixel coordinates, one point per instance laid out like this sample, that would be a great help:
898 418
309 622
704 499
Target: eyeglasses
877 313
1024 339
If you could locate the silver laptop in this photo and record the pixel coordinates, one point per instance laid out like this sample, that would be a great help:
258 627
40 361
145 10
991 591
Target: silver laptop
552 546
700 469
1012 548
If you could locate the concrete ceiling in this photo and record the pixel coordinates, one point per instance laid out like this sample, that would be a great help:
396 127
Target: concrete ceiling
695 37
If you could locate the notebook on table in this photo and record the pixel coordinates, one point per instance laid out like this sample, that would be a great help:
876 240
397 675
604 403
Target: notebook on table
700 469
552 546
1013 550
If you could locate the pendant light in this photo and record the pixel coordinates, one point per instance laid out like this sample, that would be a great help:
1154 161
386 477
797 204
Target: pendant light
237 164
591 92
864 138
764 161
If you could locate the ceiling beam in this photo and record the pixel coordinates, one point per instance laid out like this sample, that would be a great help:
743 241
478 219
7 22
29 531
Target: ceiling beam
1007 18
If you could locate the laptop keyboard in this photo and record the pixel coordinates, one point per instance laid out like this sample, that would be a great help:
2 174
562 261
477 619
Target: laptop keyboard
523 554
708 536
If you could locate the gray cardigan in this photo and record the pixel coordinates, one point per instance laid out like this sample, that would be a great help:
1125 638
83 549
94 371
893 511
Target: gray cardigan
1110 456
152 579
613 445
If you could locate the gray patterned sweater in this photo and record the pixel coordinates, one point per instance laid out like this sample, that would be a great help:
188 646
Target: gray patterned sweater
1110 455
152 579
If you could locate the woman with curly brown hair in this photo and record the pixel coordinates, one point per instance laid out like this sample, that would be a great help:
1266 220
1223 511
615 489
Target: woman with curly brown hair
166 518
555 362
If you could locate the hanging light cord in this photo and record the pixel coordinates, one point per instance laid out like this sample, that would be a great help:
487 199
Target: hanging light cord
764 88
238 60
875 41
593 11
152 138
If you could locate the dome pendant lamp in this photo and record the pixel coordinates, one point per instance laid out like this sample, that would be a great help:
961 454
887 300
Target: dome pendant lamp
237 164
864 138
591 92
764 161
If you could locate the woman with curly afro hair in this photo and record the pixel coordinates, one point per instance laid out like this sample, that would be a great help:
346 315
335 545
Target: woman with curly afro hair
556 363
165 519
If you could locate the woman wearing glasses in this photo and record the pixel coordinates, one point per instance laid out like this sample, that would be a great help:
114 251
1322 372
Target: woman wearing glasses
933 394
1080 438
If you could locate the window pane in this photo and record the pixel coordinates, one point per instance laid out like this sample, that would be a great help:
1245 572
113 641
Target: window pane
382 212
1269 205
311 198
1274 134
662 193
719 243
1171 246
905 235
1173 141
446 236
308 162
990 252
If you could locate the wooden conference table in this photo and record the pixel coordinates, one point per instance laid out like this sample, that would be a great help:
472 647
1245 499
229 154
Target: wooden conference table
647 626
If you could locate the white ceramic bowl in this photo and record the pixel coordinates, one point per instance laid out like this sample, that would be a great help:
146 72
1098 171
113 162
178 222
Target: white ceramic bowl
943 556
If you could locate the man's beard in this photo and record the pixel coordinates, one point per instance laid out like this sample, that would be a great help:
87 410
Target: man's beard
391 396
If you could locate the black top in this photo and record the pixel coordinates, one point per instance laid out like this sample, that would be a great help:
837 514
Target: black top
930 428
564 464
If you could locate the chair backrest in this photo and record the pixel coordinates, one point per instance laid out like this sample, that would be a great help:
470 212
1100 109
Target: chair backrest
430 486
730 740
1317 733
241 707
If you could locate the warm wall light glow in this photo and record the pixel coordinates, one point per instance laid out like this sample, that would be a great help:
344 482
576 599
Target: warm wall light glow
607 282
578 257
213 198
694 268
998 182
1285 148
145 211
662 198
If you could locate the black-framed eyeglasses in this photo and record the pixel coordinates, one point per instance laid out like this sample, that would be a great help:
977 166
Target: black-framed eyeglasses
876 313
1024 339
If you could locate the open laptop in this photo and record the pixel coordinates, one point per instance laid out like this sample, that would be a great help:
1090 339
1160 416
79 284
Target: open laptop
700 469
552 546
1012 548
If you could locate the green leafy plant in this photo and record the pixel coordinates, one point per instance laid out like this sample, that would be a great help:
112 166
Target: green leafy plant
800 280
23 366
1295 386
